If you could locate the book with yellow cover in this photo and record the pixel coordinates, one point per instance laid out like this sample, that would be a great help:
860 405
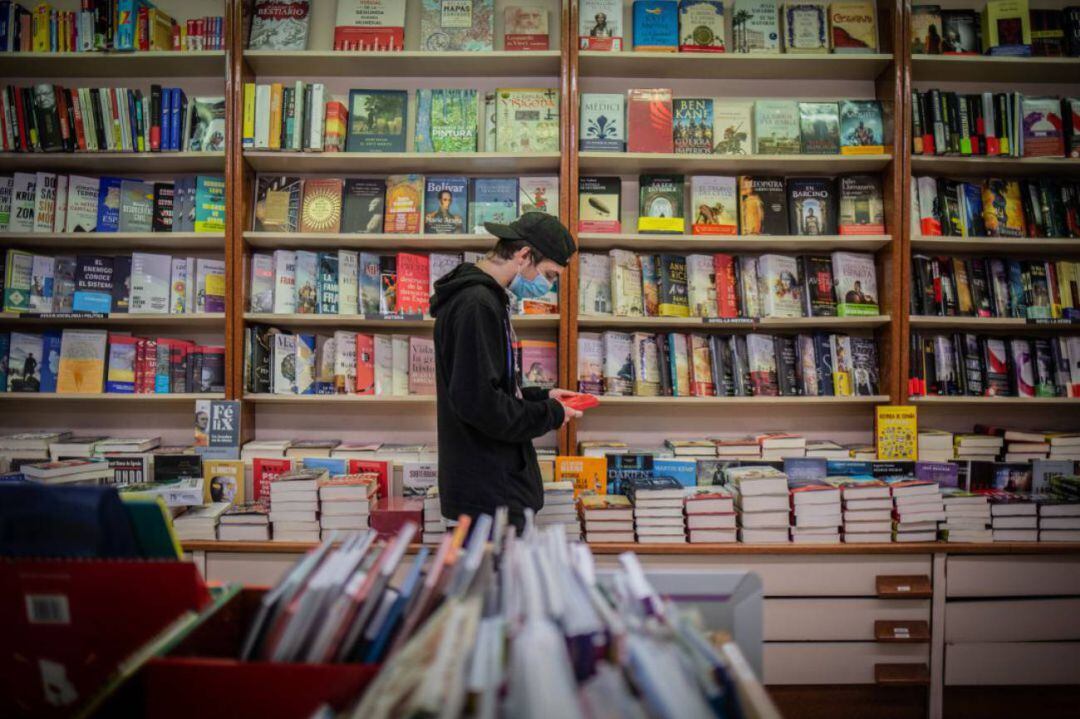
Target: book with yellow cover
896 431
223 481
586 473
82 362
277 91
248 139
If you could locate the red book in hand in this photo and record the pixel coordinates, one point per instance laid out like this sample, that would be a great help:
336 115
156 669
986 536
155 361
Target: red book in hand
581 402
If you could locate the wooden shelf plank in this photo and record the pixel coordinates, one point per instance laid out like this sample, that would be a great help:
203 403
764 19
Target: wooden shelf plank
705 243
1015 401
546 321
761 323
1031 245
117 240
622 402
142 162
903 586
303 240
905 674
109 397
205 319
626 163
402 162
985 68
409 63
901 632
329 399
991 323
981 166
594 63
164 63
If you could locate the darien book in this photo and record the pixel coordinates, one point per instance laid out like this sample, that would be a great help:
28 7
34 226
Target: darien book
812 204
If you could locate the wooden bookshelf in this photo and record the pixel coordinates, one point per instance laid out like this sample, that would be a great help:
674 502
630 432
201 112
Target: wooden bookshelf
627 163
682 402
629 64
375 241
968 166
201 320
985 68
310 320
341 399
408 63
1026 245
731 243
116 162
175 241
153 64
717 325
994 401
1017 325
162 397
384 163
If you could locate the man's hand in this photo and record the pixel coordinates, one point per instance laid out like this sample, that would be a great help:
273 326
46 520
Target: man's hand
569 413
561 394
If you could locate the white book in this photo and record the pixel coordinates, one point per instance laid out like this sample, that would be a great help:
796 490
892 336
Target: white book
6 185
23 199
400 357
151 278
701 285
345 361
82 204
305 365
60 213
318 102
384 365
296 142
178 286
284 282
348 282
594 284
261 289
262 117
282 364
205 272
538 194
780 292
41 284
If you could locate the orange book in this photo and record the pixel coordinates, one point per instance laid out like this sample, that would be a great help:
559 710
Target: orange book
335 129
276 99
589 474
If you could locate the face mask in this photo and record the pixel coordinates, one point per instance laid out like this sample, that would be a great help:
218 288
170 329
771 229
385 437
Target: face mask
530 289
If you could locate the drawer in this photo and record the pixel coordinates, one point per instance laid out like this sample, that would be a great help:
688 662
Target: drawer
796 620
835 662
1019 576
1003 663
798 576
1011 620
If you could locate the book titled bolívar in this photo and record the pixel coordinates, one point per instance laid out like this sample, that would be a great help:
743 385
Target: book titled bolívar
714 204
701 26
525 27
527 120
599 204
404 204
661 208
776 127
377 121
446 201
600 25
693 125
861 126
861 208
853 26
812 205
649 120
755 26
370 25
763 206
280 25
603 122
457 25
855 277
656 25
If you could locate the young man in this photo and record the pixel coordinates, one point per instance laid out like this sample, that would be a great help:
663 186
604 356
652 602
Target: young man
486 420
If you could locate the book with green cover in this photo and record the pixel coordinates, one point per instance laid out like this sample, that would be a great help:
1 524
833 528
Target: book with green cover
527 120
450 118
377 121
152 524
209 204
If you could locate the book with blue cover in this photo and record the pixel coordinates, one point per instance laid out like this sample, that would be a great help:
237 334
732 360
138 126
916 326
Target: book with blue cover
849 468
50 359
446 205
93 284
801 468
493 199
684 471
108 214
656 25
624 467
333 465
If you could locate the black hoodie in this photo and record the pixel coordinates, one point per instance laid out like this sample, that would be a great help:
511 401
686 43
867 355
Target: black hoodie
486 422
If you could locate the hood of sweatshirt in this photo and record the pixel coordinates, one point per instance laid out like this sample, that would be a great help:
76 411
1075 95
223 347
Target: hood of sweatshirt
464 275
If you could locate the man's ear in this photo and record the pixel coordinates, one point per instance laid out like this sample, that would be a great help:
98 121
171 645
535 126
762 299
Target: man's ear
522 255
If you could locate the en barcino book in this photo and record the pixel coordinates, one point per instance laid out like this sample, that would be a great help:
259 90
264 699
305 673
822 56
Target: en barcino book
661 208
446 201
600 25
861 128
862 211
693 125
855 278
819 125
457 25
763 206
701 26
812 204
527 120
377 121
853 26
755 26
603 122
599 204
714 205
776 127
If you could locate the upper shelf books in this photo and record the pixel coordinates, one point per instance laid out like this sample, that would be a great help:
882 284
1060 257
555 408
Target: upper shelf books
1004 27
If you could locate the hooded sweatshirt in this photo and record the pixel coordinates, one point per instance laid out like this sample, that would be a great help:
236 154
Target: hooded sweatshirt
486 421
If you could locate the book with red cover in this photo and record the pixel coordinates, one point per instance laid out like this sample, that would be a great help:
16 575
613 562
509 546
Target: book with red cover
727 298
582 402
412 284
365 364
649 119
263 472
390 514
380 468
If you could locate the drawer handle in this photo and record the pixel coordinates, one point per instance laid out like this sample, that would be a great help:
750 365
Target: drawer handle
913 632
904 586
902 674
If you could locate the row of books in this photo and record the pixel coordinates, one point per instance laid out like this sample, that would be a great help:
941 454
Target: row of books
347 282
46 202
363 25
308 504
991 443
96 26
758 26
140 283
768 446
651 120
723 286
304 117
78 361
1033 207
398 203
995 287
745 205
1004 27
51 118
991 124
972 365
675 364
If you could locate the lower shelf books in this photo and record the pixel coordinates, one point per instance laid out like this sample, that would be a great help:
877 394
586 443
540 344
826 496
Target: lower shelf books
741 365
966 364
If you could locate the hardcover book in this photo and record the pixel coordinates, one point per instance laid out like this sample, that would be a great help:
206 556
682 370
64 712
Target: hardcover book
446 205
1006 27
661 208
363 205
599 204
693 126
527 120
538 194
733 127
377 121
781 293
1002 208
375 25
714 204
763 206
853 27
656 25
776 127
404 204
446 120
701 26
539 363
279 25
755 26
819 124
861 129
600 25
457 25
960 32
603 122
412 284
861 209
806 27
322 206
819 296
925 29
207 122
492 199
525 27
812 204
855 277
649 119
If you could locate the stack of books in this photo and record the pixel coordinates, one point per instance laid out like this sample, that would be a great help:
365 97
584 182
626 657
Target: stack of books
737 448
691 447
826 449
1014 517
917 509
761 497
1059 513
434 523
200 523
1021 446
867 506
559 508
777 446
815 511
75 446
862 452
345 501
606 518
977 447
248 522
658 509
935 445
710 515
68 471
1064 445
967 517
294 505
26 447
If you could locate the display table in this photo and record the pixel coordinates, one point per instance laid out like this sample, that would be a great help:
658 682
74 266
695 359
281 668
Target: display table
931 628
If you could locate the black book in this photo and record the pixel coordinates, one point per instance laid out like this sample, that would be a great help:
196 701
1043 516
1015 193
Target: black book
740 365
163 207
71 142
786 365
93 284
937 116
99 119
155 117
864 364
916 123
768 196
812 206
722 366
121 284
971 368
1047 32
823 365
980 287
262 340
177 467
995 366
819 296
1072 30
948 303
949 197
47 116
929 362
1045 381
363 205
672 280
211 376
665 364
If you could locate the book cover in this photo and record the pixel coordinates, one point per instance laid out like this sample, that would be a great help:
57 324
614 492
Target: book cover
493 199
755 26
377 121
1006 28
599 204
588 474
45 202
733 127
864 366
328 283
618 363
207 121
421 365
120 373
284 282
446 205
1003 210
23 199
853 27
693 126
960 32
603 122
305 364
594 284
108 209
63 283
727 286
776 127
151 280
374 25
447 120
277 203
82 362
761 355
763 206
861 128
806 27
457 25
781 295
210 285
279 25
321 213
404 204
24 359
539 363
538 194
93 284
283 364
82 204
749 287
656 25
164 194
209 204
701 285
136 206
260 289
856 284
862 211
1042 133
661 208
701 26
363 205
527 120
649 121
387 284
626 284
440 264
818 291
121 283
812 205
41 284
307 282
412 284
674 293
819 126
590 367
925 29
714 203
600 25
525 27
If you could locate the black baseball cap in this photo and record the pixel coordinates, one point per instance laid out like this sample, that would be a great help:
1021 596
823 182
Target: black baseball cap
541 230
